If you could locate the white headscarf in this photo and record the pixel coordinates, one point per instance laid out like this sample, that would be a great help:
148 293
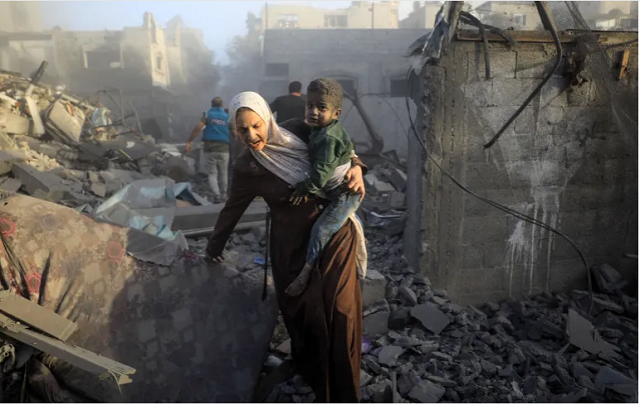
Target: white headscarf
287 156
284 154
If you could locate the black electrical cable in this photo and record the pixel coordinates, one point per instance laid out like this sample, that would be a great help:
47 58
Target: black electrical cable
494 204
535 92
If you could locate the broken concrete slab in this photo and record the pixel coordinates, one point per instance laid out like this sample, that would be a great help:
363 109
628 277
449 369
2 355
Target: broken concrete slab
608 378
99 189
205 216
13 124
34 111
430 317
64 122
582 334
8 158
376 324
177 169
284 347
373 289
399 179
397 200
9 184
33 180
6 142
388 356
608 279
427 392
36 316
379 186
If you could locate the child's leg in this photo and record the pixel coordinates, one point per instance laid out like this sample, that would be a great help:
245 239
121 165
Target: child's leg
327 225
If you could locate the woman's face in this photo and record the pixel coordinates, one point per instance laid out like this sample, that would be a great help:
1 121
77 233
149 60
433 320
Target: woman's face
251 129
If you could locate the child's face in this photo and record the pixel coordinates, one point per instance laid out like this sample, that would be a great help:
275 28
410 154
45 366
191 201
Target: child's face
319 112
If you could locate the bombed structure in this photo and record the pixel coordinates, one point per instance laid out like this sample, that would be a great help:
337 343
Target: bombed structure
500 209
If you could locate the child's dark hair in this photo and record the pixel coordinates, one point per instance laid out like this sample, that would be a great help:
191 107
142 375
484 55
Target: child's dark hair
329 88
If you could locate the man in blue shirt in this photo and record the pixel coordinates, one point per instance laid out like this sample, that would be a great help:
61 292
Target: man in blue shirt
215 126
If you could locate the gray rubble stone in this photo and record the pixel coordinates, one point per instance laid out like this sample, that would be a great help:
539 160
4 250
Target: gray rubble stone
409 296
388 356
427 392
430 317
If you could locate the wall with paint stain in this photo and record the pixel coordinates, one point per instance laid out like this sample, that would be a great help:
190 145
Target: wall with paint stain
569 160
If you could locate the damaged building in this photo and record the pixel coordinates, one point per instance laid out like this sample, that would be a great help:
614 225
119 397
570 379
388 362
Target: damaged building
500 213
165 73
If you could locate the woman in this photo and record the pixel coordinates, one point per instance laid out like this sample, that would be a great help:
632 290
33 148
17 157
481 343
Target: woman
325 322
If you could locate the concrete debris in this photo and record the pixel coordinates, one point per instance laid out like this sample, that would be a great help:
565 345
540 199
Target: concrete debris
431 318
399 179
8 184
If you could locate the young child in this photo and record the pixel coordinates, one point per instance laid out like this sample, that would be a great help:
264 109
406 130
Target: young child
330 151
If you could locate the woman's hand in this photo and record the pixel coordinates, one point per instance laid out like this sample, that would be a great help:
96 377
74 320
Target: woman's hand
354 181
211 257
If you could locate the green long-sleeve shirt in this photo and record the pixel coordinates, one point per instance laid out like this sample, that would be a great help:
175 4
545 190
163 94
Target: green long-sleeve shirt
329 147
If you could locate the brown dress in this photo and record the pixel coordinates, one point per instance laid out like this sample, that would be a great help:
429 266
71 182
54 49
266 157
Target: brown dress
324 322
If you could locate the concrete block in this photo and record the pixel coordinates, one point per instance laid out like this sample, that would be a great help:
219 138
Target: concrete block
374 286
33 180
479 93
99 189
512 92
13 124
9 158
205 216
376 324
397 200
503 65
399 179
526 122
6 142
9 184
65 122
378 186
479 229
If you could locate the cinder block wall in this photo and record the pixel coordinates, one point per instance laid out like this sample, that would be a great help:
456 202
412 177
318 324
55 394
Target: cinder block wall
563 162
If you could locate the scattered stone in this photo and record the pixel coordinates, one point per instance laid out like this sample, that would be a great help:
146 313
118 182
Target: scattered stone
406 382
430 317
441 293
409 296
400 318
442 356
429 347
445 382
374 286
427 392
365 378
389 355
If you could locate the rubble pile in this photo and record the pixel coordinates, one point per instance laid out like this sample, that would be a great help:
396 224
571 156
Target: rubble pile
419 346
68 151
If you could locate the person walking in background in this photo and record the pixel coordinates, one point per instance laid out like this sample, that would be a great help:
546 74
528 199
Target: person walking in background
215 127
291 105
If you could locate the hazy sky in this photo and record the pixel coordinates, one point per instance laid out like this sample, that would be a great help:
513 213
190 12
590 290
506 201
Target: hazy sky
218 20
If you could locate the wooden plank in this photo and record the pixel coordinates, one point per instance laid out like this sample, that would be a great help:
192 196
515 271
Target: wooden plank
74 355
39 317
624 62
518 36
